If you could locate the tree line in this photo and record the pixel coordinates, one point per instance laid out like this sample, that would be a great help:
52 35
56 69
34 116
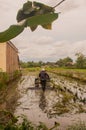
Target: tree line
66 62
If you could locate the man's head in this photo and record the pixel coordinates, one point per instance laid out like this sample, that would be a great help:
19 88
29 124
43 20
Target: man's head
43 69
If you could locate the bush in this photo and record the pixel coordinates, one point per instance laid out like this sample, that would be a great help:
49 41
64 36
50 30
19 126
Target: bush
4 78
16 74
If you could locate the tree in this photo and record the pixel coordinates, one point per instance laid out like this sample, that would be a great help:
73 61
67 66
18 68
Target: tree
23 64
80 61
65 62
60 63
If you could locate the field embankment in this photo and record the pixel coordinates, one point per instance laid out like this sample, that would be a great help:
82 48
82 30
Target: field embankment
79 74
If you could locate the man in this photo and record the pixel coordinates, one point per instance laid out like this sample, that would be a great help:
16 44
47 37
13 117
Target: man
44 77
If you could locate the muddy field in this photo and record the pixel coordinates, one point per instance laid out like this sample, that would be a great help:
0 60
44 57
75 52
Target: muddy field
64 101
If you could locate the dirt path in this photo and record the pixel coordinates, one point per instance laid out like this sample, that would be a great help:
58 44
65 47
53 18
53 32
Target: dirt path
40 106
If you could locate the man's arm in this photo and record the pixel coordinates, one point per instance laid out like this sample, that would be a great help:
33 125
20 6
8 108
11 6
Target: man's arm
47 76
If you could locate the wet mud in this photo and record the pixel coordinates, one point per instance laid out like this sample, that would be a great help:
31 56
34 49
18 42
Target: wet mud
64 101
9 96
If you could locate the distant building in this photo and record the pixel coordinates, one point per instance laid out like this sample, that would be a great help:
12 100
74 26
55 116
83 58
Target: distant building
9 60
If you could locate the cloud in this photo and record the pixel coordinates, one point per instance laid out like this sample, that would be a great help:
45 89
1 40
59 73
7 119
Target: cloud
43 40
67 5
68 34
34 48
71 25
36 53
53 52
66 48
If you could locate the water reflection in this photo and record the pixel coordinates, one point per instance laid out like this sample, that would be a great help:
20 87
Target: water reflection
42 101
43 106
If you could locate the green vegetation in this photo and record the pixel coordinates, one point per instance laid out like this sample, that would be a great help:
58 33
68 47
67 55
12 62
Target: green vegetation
32 14
80 61
60 108
4 78
16 74
79 74
64 104
78 126
31 64
68 69
67 62
9 122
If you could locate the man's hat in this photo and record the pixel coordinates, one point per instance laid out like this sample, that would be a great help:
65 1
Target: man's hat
43 69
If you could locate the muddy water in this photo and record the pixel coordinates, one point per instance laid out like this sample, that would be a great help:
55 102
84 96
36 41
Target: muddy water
37 105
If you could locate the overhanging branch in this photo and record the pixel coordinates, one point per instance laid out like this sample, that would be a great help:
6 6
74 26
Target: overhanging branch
59 3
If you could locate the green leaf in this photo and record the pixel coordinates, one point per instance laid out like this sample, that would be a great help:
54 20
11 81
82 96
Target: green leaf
44 8
32 9
25 11
33 28
27 7
41 19
11 32
20 15
1 127
47 26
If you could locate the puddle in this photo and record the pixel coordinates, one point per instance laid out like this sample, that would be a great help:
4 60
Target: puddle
37 105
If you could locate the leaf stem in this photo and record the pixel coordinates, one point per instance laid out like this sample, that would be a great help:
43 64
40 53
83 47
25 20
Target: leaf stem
59 3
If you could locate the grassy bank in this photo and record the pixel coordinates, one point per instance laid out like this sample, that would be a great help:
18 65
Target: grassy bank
32 70
8 92
77 126
5 78
9 122
79 74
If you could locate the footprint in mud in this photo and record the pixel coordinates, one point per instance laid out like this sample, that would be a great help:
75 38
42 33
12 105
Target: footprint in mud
42 101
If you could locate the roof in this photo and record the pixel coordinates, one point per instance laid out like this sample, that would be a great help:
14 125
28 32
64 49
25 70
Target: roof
12 45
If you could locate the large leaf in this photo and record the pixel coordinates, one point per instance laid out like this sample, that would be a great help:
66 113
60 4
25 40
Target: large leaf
41 19
45 20
44 8
33 28
25 12
27 7
47 26
11 32
30 9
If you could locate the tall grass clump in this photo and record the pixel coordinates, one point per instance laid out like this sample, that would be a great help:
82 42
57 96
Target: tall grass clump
4 78
9 122
78 126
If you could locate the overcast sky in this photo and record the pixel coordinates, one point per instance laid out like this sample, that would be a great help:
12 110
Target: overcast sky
67 37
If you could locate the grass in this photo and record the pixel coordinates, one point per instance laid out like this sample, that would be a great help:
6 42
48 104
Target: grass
9 122
4 78
79 74
78 126
32 70
60 108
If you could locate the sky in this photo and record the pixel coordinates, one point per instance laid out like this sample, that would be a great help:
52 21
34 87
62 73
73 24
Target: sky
67 37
